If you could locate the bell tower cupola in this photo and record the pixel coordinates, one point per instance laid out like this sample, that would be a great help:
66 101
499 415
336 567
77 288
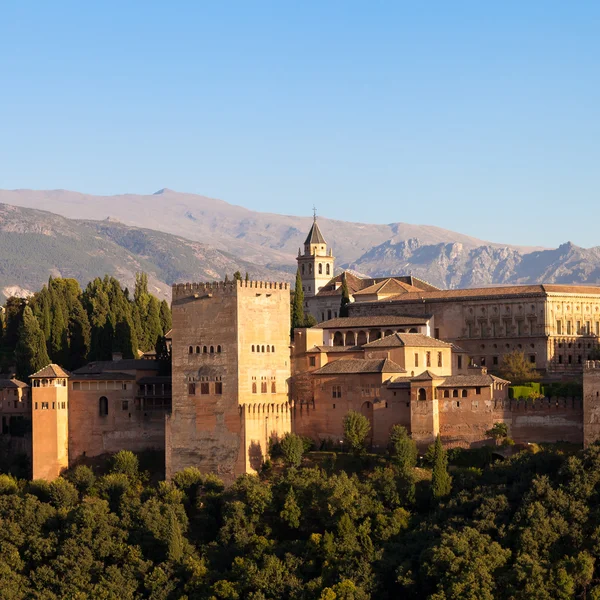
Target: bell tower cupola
316 262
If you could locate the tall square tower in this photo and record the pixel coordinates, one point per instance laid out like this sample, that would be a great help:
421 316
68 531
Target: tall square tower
230 368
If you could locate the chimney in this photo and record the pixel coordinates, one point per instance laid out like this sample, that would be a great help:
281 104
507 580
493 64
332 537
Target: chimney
117 356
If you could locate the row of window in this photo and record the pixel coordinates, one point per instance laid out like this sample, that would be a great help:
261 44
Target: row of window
95 386
49 383
46 405
440 359
586 329
492 330
262 348
205 388
319 269
17 404
264 386
150 404
204 350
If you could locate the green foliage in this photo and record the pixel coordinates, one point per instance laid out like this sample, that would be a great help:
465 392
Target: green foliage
517 369
440 479
356 431
125 462
83 478
345 297
237 276
298 319
498 431
403 448
30 351
8 485
292 449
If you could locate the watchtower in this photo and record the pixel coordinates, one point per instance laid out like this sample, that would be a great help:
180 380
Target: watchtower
316 263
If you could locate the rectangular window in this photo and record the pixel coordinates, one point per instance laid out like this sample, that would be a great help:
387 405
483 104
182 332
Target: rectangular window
469 329
219 387
76 386
588 328
560 360
558 327
428 358
125 405
439 359
493 328
336 391
64 405
478 390
44 406
568 327
459 359
532 359
495 360
482 361
192 389
53 405
263 387
416 359
312 361
436 333
570 359
205 388
578 328
519 327
36 406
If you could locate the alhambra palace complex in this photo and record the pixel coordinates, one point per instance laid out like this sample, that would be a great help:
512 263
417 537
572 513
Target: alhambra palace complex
408 353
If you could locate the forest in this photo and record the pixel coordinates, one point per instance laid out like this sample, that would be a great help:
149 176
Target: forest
68 326
322 525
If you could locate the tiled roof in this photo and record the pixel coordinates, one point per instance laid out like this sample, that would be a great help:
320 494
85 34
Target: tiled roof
458 349
7 384
50 371
375 321
314 235
496 291
353 282
407 339
335 349
106 376
126 364
359 365
478 379
389 286
427 376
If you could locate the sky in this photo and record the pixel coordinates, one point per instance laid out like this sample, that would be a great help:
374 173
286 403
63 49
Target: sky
479 117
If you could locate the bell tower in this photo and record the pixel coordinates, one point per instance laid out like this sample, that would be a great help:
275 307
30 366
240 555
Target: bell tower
316 262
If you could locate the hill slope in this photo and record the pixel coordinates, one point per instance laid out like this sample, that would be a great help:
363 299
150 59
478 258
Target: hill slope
37 244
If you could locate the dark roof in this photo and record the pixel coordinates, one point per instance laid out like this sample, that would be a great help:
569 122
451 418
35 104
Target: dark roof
399 384
126 364
375 321
427 376
389 286
314 235
458 349
335 349
407 339
107 376
50 371
479 380
155 379
7 384
359 365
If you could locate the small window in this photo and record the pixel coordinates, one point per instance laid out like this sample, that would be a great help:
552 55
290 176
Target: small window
125 405
478 390
252 347
205 350
191 389
262 349
312 361
446 393
76 386
327 269
336 391
416 359
263 387
254 388
457 404
464 394
191 349
44 406
532 359
36 407
272 348
197 349
320 269
273 388
428 358
218 388
334 406
459 362
439 359
218 349
268 348
205 388
53 405
212 349
495 360
422 394
455 393
103 406
64 405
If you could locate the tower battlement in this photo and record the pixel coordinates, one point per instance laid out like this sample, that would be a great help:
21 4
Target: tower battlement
222 288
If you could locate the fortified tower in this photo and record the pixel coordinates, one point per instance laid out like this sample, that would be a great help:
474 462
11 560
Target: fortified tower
230 366
591 402
49 422
316 264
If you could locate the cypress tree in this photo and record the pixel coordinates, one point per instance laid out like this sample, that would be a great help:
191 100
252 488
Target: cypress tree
58 348
79 336
345 297
226 278
298 304
30 352
441 481
41 310
154 326
247 276
14 317
175 542
237 276
165 316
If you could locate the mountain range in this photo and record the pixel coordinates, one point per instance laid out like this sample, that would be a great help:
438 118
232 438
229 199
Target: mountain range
177 236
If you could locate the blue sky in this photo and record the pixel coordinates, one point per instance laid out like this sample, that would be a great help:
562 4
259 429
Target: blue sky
479 117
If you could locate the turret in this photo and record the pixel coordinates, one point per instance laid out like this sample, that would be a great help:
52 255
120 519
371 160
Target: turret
316 263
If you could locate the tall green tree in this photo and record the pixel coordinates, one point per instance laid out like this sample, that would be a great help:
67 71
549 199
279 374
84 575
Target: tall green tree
356 431
441 482
14 308
165 316
298 303
237 276
30 351
345 297
517 369
80 335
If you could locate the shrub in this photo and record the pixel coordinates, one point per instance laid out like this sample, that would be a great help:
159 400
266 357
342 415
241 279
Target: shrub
63 493
125 462
356 430
83 478
8 485
292 449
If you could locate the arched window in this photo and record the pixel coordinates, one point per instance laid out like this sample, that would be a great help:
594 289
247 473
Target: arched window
191 349
362 338
320 269
262 349
464 394
252 347
327 269
310 269
268 348
272 348
328 314
197 349
455 393
446 393
212 349
413 330
218 349
103 406
338 338
205 350
388 332
254 388
273 388
422 394
302 269
350 339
